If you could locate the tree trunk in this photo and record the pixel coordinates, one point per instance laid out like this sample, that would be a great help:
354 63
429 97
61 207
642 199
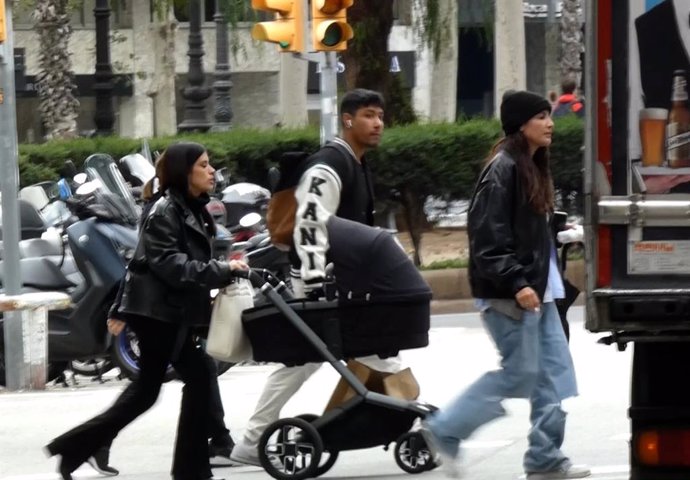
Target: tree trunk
445 68
413 213
163 87
571 41
366 59
58 106
510 49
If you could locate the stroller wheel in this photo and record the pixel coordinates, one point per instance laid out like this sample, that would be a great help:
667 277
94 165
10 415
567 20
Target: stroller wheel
412 454
328 457
290 449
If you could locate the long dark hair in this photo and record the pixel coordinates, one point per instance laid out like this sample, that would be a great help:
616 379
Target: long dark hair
534 171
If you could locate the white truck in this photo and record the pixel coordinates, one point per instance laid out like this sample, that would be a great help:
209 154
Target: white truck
637 215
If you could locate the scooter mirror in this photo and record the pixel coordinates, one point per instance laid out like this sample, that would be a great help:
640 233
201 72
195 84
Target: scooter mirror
80 178
250 220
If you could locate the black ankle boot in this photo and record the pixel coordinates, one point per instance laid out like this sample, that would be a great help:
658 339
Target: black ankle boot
67 464
99 462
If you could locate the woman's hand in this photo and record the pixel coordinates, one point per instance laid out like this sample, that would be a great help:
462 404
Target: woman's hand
238 265
528 299
115 326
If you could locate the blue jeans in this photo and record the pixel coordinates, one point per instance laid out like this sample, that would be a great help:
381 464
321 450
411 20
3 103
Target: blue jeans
535 364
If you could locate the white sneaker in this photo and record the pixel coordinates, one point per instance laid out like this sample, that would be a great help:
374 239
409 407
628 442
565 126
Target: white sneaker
565 471
243 453
448 463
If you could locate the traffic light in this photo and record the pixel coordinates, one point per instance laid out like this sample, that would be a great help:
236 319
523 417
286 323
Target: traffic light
287 30
3 23
329 27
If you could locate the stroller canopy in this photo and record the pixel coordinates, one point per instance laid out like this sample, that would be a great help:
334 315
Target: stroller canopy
370 264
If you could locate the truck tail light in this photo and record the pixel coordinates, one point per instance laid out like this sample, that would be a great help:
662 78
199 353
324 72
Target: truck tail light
604 260
663 448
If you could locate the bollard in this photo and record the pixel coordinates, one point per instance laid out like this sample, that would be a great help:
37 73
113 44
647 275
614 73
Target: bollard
34 309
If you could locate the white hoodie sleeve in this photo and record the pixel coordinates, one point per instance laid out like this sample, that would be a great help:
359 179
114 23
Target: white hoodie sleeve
318 197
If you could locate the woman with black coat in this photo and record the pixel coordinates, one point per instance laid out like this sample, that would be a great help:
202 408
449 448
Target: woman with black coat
515 279
165 295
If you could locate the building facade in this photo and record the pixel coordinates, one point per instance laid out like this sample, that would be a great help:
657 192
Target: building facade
149 59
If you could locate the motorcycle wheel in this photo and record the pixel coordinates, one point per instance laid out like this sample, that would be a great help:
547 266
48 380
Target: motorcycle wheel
125 354
92 367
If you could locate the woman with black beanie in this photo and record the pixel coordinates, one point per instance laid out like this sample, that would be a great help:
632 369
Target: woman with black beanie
515 278
166 293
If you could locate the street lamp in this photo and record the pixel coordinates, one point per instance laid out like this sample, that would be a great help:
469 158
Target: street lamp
222 83
195 93
104 118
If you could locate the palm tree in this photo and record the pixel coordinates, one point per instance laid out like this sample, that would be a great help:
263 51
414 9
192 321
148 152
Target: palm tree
55 81
571 41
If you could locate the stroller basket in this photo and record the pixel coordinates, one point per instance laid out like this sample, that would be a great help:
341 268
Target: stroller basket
350 330
382 307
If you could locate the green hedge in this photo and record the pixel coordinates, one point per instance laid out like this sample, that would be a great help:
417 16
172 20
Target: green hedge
430 159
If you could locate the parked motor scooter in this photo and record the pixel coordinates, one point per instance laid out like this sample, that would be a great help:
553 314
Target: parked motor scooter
100 242
243 198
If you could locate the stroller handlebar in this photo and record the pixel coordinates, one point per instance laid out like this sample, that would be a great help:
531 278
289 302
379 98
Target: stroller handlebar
263 278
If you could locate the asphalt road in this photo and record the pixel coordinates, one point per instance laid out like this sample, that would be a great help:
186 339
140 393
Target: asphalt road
459 351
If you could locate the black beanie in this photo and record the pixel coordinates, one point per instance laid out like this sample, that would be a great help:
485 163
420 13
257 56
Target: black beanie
518 107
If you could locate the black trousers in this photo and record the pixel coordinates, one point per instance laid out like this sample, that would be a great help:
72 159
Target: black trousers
217 431
161 344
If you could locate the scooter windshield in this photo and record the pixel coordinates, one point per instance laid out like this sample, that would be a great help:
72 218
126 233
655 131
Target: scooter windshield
140 170
102 167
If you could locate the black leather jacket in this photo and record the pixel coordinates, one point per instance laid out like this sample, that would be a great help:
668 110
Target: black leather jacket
172 273
510 243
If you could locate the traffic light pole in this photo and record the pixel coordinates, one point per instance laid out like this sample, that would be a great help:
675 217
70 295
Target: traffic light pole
15 365
329 96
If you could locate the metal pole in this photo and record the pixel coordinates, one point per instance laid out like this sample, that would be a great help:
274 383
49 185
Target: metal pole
103 78
329 97
17 371
195 93
222 83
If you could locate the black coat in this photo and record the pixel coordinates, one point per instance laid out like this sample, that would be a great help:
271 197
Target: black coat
171 275
357 194
510 243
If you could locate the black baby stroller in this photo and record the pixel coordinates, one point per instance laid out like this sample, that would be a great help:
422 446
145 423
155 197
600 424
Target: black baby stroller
382 307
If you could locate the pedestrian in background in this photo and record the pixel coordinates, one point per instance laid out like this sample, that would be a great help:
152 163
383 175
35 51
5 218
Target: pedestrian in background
515 278
165 295
568 103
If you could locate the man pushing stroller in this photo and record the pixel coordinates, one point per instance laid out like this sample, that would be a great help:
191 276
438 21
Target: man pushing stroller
338 183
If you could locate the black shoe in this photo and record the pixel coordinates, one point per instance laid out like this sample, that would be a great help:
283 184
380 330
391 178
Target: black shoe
67 463
219 455
99 462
